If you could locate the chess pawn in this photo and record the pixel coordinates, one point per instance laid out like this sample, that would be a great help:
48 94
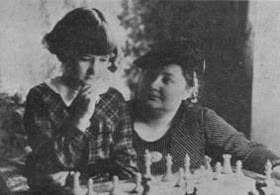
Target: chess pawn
138 188
187 163
180 181
147 186
227 166
148 163
115 190
218 170
238 171
268 170
207 161
208 168
190 188
202 175
168 175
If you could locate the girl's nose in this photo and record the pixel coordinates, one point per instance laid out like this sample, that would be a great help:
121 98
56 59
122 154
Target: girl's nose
90 70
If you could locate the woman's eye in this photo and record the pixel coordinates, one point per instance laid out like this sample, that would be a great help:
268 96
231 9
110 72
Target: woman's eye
85 59
167 80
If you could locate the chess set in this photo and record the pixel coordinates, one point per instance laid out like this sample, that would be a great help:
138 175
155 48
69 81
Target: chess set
221 180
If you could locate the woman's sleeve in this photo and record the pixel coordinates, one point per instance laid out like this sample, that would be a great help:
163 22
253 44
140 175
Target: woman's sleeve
124 154
226 139
52 149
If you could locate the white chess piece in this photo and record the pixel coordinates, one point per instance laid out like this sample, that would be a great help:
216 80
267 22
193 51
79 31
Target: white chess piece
207 161
190 187
269 189
148 163
208 168
227 166
180 181
168 175
138 188
268 170
238 171
147 184
187 163
218 170
202 175
115 190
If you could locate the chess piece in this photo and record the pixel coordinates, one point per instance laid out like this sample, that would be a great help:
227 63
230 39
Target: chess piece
115 190
180 181
90 188
187 163
227 166
202 175
238 171
218 170
208 168
148 163
207 161
268 170
168 175
190 188
138 188
268 180
147 186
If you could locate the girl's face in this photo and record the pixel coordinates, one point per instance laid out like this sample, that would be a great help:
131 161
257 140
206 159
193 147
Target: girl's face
88 68
163 88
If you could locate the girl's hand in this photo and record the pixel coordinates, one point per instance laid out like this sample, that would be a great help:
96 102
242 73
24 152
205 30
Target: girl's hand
59 177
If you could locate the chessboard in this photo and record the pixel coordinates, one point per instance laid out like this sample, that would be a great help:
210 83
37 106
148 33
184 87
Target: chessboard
227 184
220 180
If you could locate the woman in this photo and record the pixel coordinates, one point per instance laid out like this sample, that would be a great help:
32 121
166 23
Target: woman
168 121
75 122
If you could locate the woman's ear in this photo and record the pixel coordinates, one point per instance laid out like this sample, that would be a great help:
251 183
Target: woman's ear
188 92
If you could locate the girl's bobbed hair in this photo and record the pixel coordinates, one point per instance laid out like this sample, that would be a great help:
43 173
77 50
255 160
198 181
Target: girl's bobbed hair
81 31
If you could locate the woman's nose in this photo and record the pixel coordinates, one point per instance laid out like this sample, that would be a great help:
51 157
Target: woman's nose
156 83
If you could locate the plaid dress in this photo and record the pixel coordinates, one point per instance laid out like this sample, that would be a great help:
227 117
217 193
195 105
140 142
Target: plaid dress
105 147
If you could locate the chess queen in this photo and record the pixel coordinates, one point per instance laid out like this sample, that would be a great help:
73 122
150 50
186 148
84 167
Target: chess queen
168 119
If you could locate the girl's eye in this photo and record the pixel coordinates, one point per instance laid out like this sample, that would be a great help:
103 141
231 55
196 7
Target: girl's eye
104 59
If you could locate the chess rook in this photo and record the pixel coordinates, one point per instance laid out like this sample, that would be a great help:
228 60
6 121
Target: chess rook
227 166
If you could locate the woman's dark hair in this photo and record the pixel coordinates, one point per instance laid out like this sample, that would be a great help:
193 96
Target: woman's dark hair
81 31
181 52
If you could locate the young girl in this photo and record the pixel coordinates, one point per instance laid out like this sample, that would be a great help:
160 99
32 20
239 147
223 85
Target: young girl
75 122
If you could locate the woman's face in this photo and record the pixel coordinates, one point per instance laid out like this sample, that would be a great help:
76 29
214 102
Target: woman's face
163 88
88 68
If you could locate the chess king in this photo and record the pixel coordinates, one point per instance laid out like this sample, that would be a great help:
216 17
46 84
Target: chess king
168 119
